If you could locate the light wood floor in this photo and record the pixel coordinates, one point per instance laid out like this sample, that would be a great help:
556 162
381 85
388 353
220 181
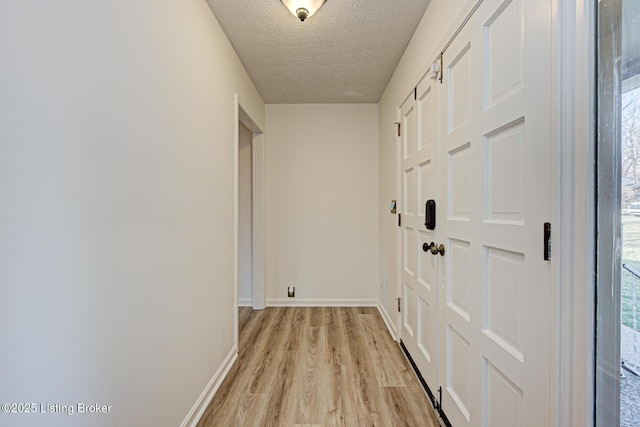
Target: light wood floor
318 367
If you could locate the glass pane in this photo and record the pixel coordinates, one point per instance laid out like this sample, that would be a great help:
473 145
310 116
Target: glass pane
618 213
630 143
607 374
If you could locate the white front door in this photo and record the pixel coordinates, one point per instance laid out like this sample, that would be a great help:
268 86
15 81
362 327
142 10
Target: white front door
494 187
419 269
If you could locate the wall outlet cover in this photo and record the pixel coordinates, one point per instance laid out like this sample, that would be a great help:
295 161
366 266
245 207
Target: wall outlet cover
291 291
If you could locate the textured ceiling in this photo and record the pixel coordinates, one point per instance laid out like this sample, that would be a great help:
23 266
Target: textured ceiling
346 52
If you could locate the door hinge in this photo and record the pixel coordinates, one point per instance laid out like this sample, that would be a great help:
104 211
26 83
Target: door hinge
547 241
398 125
399 300
399 220
439 403
415 93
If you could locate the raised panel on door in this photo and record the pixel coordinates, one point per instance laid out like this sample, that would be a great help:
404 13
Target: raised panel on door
494 181
458 372
419 332
409 319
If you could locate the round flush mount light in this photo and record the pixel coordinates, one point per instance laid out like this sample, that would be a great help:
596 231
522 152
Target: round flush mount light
303 9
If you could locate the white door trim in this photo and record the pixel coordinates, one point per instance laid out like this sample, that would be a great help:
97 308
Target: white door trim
257 205
257 165
242 116
399 229
573 245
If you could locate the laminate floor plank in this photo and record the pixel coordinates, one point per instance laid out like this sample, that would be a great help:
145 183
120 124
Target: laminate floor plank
333 405
250 404
311 398
327 366
244 314
403 410
281 408
337 352
387 374
367 395
268 358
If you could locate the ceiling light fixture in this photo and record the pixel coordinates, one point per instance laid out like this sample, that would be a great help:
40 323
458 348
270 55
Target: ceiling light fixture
303 9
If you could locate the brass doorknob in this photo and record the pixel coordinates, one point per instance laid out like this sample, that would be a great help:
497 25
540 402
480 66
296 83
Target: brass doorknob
435 250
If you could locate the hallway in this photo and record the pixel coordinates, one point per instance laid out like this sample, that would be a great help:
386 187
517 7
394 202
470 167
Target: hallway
127 247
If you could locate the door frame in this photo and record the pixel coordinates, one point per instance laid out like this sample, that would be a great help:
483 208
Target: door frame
400 203
573 245
399 197
241 115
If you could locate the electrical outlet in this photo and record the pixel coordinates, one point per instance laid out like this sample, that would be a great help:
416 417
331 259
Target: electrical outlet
291 291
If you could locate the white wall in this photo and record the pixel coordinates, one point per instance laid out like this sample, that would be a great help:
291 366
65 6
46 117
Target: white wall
245 225
321 164
116 206
430 36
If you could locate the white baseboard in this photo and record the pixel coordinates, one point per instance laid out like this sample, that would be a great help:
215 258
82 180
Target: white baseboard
387 321
203 401
300 302
245 302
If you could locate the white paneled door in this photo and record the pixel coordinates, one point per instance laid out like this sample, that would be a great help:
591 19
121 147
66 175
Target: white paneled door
482 151
419 272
